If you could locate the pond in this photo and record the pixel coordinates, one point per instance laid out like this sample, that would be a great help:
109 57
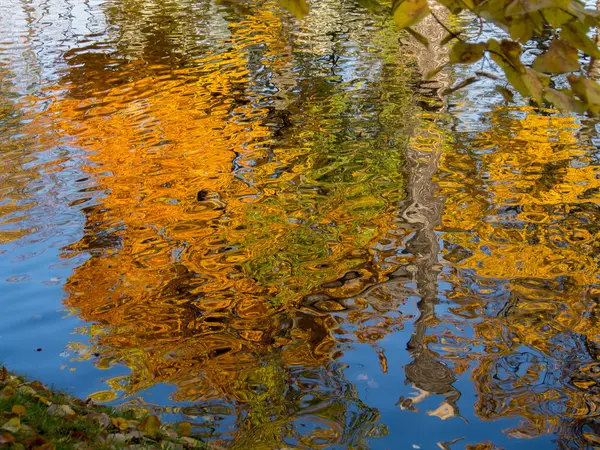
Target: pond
272 229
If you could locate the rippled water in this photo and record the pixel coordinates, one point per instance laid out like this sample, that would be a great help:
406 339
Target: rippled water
244 220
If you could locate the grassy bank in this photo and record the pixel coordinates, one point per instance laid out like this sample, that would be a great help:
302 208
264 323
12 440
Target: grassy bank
34 417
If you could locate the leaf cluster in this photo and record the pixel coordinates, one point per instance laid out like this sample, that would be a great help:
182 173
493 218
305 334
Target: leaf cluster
566 24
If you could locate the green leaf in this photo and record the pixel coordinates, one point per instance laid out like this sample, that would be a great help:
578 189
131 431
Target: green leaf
578 38
563 101
467 53
408 12
559 58
506 93
298 8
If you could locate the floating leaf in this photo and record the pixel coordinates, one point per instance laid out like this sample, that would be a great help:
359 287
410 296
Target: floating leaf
467 53
103 396
298 8
184 428
408 12
559 58
150 426
19 410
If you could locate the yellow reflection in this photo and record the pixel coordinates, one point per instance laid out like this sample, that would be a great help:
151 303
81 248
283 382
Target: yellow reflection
520 240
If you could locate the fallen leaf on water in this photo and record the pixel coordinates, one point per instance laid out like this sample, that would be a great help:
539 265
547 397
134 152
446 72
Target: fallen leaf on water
150 426
184 428
19 410
103 396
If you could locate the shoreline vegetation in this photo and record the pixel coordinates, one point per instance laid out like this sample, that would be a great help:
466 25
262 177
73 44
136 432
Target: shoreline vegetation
35 417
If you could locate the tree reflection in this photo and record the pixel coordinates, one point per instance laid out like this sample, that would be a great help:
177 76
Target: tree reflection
244 201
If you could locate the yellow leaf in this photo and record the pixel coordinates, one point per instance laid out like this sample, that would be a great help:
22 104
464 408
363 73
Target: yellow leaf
578 38
120 423
408 12
150 426
521 30
184 428
559 58
19 410
587 90
8 392
507 94
533 84
103 396
13 425
299 8
43 400
466 53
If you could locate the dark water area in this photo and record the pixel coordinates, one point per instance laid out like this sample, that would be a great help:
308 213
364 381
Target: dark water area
270 228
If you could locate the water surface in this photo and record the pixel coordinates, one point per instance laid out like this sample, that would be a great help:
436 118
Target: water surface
270 228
